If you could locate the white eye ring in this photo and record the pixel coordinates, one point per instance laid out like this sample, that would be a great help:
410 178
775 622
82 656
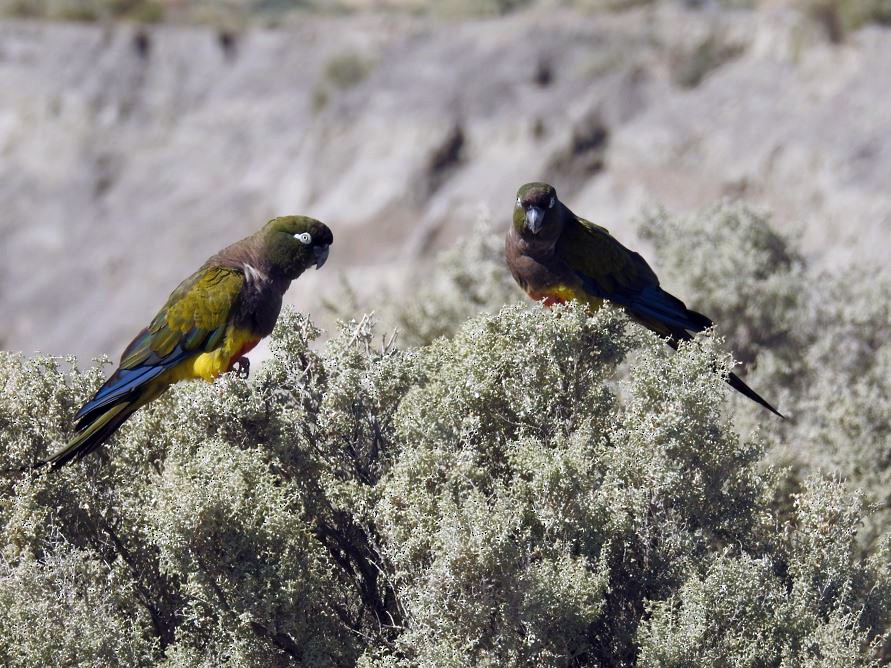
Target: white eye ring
519 203
551 205
304 237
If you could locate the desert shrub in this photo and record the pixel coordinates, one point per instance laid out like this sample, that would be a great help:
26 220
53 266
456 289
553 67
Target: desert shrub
509 485
466 280
844 399
511 474
802 605
814 341
838 17
70 607
146 11
341 72
690 65
347 70
731 264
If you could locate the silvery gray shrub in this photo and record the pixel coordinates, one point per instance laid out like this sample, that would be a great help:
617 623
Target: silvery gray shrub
506 486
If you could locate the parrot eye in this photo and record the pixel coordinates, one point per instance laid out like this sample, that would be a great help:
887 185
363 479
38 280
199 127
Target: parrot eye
519 203
304 237
553 199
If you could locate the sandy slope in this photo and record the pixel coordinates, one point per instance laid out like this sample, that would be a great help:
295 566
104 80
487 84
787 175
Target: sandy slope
127 157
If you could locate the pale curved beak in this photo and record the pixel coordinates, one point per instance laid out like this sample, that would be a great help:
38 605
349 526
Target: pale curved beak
534 219
320 255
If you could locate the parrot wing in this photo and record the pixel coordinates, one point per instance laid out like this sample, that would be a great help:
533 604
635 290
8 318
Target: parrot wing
610 271
194 320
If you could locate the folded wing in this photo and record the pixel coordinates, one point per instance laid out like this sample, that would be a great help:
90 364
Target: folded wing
194 320
610 271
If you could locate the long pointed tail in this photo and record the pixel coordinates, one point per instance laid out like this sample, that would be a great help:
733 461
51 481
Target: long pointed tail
94 434
88 437
98 425
737 384
732 379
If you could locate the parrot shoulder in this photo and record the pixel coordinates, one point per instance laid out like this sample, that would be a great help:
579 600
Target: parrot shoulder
602 261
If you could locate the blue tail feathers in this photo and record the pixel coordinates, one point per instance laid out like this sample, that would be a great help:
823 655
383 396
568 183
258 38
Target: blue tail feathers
654 302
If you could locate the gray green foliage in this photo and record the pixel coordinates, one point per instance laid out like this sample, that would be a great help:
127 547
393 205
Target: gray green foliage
507 486
817 339
689 66
340 73
740 612
347 70
147 11
836 16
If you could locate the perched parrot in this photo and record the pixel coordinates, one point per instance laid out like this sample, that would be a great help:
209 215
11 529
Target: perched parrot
209 322
557 256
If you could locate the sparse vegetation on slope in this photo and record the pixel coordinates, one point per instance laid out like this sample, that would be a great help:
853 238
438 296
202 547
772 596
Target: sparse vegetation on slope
836 17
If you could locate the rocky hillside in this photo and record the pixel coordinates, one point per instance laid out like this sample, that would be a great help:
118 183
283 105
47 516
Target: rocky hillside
128 154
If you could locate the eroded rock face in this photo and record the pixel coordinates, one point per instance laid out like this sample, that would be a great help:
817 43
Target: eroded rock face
128 154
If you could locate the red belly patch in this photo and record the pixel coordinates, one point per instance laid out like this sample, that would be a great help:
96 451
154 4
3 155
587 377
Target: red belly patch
550 298
244 350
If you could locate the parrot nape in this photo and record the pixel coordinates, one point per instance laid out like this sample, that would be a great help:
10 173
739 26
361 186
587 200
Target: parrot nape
209 322
556 256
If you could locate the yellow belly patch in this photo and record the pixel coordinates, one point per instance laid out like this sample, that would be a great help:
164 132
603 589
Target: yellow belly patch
211 364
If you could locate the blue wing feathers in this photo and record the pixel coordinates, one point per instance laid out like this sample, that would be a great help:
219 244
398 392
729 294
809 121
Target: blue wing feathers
126 381
651 302
139 344
149 366
118 386
655 303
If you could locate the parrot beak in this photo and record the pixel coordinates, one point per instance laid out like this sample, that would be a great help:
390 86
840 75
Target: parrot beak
320 255
534 219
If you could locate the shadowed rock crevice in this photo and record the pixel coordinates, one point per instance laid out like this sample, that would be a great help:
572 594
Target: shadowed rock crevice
228 41
445 160
142 43
544 72
106 168
585 154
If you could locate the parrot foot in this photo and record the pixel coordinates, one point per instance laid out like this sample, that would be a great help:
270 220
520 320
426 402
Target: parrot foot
242 367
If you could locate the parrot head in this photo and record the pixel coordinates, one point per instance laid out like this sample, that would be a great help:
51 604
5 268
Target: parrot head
534 207
295 243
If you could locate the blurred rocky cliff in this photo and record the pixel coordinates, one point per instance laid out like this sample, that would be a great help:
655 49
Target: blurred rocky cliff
129 153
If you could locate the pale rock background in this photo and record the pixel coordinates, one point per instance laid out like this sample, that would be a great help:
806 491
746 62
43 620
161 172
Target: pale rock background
128 154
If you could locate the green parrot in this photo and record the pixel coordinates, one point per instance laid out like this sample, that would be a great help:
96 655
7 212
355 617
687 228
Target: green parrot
556 256
209 322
